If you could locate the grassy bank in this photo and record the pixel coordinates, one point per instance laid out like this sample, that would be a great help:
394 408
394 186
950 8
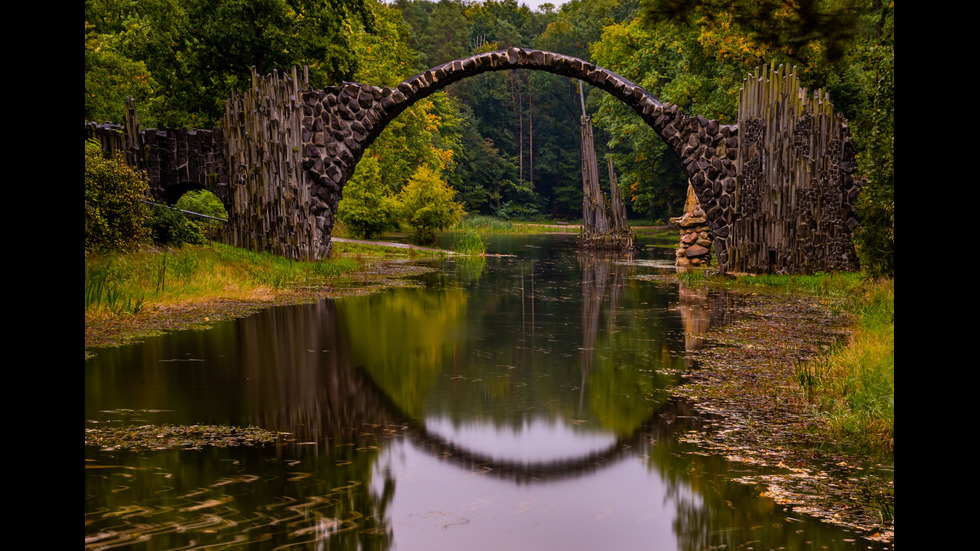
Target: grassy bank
853 386
130 296
129 284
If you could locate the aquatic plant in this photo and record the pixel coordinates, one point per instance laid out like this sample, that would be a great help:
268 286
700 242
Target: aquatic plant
103 291
469 243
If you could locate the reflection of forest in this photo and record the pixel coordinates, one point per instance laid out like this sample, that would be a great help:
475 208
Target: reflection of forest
343 378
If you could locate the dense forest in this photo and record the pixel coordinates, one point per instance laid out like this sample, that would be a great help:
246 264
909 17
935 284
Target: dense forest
507 143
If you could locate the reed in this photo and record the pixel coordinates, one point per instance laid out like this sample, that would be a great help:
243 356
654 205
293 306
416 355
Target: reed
104 292
487 224
469 243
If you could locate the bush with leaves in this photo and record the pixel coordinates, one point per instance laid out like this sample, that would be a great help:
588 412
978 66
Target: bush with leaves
427 203
114 208
169 226
204 202
366 209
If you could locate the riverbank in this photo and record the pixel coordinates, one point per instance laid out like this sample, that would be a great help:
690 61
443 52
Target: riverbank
748 378
218 283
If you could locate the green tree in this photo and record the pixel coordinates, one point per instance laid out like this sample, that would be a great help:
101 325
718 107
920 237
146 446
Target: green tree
875 134
664 61
169 226
427 131
112 78
114 208
199 52
366 208
226 38
203 202
427 203
790 26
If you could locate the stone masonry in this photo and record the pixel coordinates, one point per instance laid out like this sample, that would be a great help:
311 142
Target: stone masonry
324 133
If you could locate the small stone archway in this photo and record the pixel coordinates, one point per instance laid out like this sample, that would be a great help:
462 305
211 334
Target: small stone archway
340 122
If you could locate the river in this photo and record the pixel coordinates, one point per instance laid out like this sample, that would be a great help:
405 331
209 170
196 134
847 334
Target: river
514 402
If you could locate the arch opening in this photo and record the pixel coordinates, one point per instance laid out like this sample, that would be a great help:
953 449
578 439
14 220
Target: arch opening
343 121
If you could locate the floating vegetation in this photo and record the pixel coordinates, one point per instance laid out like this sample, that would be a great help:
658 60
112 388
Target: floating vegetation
165 437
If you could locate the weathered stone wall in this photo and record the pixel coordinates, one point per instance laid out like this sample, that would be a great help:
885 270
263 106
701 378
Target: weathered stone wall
797 184
177 159
174 159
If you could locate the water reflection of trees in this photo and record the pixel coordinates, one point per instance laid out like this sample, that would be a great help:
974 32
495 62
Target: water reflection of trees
313 372
627 365
288 369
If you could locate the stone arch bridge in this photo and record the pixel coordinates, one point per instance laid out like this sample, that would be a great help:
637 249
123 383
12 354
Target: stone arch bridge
284 152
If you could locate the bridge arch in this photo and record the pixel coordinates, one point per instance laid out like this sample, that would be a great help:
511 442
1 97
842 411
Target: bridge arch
340 122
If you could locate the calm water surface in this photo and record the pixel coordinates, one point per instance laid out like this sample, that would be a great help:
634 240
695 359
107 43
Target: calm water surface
512 403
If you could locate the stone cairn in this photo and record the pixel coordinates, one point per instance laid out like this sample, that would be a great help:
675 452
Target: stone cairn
695 233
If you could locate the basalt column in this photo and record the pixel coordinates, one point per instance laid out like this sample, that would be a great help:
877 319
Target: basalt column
269 203
797 183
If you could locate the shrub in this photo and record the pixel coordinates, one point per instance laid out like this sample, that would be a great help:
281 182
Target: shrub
114 208
427 202
469 242
168 226
365 208
204 202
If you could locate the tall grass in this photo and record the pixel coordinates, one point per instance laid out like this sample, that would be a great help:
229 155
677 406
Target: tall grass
854 386
104 292
469 242
487 224
127 283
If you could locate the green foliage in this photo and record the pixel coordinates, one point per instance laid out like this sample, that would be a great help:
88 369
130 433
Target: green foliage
114 208
484 224
427 203
104 291
112 78
791 27
169 226
203 202
469 242
875 134
182 59
366 207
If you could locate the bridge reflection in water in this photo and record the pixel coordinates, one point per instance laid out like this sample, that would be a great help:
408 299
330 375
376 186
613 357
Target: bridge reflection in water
496 405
